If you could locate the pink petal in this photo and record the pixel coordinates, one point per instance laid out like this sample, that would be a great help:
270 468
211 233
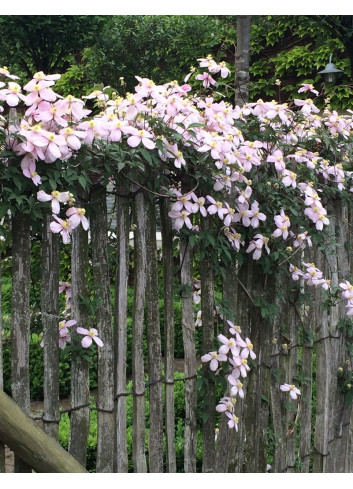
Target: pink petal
133 141
43 197
82 330
86 342
98 341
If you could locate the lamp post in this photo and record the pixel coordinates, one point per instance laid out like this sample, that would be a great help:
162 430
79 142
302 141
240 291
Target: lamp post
330 72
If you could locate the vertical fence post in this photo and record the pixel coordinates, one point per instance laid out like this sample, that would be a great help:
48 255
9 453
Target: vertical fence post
2 446
20 317
80 393
188 326
309 318
168 278
207 314
332 415
226 436
50 322
103 312
138 370
155 447
120 323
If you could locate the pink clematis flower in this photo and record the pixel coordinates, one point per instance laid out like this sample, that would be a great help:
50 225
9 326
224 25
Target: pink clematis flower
228 344
308 87
296 272
62 227
56 198
30 172
215 357
307 106
283 223
89 336
138 136
225 404
293 391
198 321
64 335
257 215
257 244
237 387
206 78
181 218
76 216
347 290
12 95
247 348
233 420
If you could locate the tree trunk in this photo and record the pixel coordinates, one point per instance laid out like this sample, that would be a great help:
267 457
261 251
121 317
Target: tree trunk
80 393
155 446
101 279
138 370
168 278
188 326
208 340
242 60
20 319
50 321
120 323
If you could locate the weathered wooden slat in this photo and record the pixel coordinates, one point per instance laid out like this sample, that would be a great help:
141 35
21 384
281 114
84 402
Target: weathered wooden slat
50 322
208 333
20 317
226 437
120 323
103 319
168 278
37 449
80 393
155 447
332 416
2 446
188 326
138 370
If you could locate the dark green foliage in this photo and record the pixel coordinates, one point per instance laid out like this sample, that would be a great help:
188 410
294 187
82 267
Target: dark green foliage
36 369
48 43
161 47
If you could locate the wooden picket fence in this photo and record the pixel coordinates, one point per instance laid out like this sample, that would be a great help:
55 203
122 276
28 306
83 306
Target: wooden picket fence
303 340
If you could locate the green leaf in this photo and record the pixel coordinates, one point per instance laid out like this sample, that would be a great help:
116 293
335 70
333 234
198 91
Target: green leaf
82 180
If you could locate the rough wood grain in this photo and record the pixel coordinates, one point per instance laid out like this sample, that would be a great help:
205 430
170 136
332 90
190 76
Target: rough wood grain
120 323
138 370
208 344
155 447
80 392
20 317
168 279
103 323
188 326
37 449
50 322
2 446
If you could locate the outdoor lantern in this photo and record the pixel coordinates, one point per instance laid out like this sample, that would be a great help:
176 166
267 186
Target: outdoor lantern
330 72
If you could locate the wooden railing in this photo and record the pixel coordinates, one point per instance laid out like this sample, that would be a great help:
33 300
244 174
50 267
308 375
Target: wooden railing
29 442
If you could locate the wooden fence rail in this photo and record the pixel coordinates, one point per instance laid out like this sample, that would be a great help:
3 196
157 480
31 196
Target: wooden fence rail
29 442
